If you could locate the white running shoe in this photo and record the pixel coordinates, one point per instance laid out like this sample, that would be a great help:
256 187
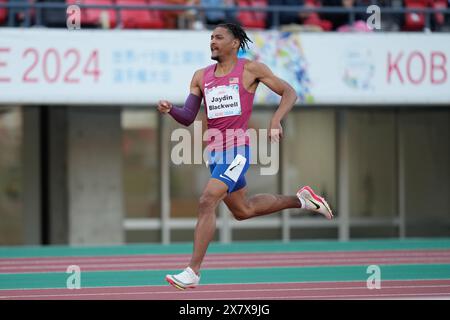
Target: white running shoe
184 280
311 201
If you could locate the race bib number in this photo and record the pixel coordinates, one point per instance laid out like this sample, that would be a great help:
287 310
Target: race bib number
223 101
234 170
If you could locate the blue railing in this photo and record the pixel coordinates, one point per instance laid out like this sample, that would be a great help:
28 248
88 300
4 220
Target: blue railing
276 10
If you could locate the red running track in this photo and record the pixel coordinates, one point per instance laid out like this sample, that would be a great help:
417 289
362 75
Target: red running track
397 289
220 261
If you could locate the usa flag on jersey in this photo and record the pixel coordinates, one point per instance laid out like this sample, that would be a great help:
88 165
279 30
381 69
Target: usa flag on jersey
234 80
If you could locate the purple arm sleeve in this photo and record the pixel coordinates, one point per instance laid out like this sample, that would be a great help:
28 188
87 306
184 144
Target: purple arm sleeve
187 114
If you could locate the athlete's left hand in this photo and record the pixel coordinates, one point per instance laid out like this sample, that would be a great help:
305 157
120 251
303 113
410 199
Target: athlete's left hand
275 131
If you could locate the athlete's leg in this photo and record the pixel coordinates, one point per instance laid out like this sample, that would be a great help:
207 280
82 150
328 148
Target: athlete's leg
243 207
214 192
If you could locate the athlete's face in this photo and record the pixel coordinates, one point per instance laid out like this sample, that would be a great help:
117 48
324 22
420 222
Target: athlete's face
222 44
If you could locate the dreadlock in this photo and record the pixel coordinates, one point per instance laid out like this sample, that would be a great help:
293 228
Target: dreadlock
238 33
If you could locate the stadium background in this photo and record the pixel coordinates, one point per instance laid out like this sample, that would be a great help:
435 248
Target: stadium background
373 140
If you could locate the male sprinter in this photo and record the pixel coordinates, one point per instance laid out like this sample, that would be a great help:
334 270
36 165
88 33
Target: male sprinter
228 89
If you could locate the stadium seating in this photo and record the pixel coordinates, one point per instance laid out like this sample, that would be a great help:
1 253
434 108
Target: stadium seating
252 19
3 13
54 17
96 17
313 19
19 14
439 18
140 19
158 16
164 19
415 21
170 17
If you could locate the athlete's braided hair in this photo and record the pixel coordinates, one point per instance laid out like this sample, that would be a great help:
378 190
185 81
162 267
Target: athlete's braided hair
238 32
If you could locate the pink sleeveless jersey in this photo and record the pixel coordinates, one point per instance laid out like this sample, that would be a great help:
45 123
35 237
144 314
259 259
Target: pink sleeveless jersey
228 107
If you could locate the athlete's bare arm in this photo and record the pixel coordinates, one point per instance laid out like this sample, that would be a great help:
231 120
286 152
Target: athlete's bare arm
259 72
197 82
164 106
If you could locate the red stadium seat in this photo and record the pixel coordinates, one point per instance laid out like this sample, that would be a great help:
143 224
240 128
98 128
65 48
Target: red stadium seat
170 17
415 21
313 3
439 4
94 17
313 19
252 19
157 16
140 19
3 13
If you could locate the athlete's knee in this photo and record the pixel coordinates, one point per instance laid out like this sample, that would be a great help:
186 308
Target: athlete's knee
208 200
242 213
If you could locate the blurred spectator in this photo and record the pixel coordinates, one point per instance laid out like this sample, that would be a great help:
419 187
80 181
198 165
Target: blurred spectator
190 19
440 21
3 13
214 17
312 19
19 15
256 20
171 17
285 18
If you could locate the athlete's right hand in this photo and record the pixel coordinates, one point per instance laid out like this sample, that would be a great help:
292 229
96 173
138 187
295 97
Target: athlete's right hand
164 106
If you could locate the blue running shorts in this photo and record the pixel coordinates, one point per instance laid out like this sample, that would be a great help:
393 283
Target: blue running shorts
230 166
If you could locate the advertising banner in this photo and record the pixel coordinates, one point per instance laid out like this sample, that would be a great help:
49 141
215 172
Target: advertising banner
123 67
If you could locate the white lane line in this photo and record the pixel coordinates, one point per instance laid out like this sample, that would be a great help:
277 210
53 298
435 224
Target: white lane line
222 257
167 265
337 297
197 291
405 283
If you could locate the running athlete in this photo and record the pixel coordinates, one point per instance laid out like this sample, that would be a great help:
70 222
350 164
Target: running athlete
227 89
